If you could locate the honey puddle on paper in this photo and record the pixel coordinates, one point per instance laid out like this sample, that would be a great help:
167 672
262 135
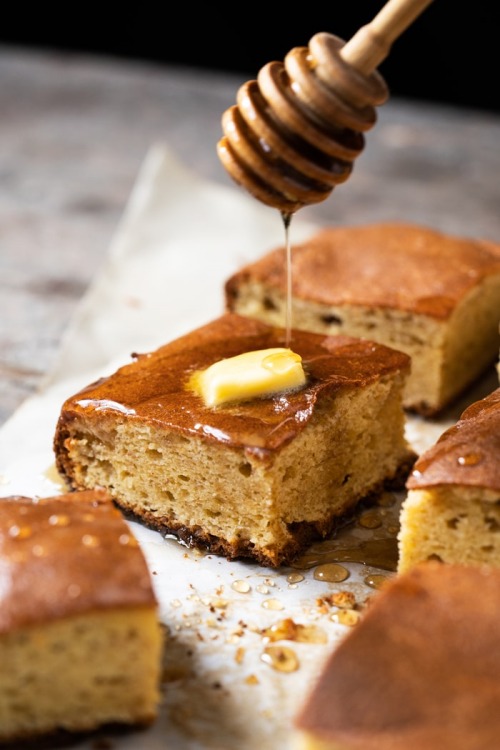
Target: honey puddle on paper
355 544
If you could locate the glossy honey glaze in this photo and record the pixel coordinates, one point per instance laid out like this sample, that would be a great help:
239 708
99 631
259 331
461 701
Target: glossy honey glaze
154 387
466 454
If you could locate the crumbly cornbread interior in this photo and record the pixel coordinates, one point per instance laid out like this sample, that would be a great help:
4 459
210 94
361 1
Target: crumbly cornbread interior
81 672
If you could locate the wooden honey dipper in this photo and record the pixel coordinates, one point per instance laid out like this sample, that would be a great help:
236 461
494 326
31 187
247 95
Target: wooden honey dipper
295 132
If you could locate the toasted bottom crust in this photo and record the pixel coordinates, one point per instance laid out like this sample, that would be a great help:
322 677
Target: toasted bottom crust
61 738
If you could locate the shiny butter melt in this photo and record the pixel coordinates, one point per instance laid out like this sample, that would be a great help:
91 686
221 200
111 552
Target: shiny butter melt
253 374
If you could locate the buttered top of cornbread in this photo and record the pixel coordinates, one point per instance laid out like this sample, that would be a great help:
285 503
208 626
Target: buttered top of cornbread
388 265
466 454
155 388
67 555
420 670
259 373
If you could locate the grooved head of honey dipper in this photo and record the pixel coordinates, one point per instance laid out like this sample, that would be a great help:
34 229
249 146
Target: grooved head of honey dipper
296 131
359 89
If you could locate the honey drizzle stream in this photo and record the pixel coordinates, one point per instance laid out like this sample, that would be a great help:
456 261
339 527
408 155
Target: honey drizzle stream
287 218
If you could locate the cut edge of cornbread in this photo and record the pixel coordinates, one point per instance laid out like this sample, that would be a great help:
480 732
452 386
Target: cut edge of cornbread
447 354
241 503
81 642
452 524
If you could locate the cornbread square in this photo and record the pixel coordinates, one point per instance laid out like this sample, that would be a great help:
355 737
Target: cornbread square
432 295
80 640
258 479
420 670
452 508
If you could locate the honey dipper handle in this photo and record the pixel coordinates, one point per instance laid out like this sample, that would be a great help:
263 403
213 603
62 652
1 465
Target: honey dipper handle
372 43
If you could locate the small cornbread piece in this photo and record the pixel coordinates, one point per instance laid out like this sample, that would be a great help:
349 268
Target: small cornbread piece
80 639
260 478
420 671
452 508
429 294
250 375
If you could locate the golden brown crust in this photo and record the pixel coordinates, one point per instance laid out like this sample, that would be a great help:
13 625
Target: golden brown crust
64 555
466 454
419 671
153 388
387 265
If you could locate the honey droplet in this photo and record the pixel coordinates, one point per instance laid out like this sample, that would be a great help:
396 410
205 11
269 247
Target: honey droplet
89 540
127 540
272 604
386 500
375 581
469 459
262 589
242 587
281 658
295 578
370 519
20 532
331 572
59 519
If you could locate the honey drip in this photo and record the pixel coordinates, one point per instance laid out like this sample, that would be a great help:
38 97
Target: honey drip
287 218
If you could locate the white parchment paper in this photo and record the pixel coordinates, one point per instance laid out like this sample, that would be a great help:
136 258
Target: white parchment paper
178 241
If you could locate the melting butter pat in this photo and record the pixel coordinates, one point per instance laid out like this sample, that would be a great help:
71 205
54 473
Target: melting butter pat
250 375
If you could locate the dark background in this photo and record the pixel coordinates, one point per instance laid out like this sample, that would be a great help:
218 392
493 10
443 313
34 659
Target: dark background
450 55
